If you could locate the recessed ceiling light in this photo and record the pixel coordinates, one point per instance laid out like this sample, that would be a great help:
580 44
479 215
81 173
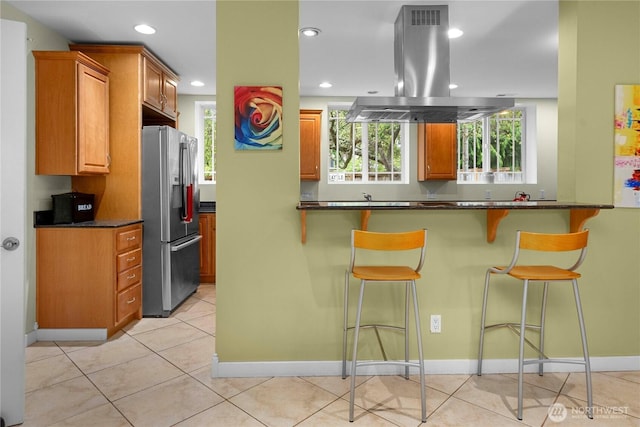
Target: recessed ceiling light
325 85
197 83
454 33
309 31
145 29
453 86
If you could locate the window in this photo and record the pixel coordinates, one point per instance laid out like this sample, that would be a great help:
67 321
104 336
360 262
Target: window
206 134
491 150
365 152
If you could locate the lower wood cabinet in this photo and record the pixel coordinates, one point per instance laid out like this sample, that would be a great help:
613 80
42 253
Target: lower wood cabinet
88 277
207 247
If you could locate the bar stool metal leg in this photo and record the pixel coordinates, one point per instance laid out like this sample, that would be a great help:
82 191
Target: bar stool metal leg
542 319
585 349
345 326
483 321
406 329
352 390
523 320
423 390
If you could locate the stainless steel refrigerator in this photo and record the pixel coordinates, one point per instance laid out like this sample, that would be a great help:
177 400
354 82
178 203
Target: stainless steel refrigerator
170 202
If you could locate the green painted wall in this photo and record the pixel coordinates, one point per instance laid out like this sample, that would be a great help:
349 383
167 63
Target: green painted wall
281 300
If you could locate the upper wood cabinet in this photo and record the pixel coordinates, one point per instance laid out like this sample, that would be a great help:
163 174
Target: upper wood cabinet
437 153
72 114
160 87
310 129
119 194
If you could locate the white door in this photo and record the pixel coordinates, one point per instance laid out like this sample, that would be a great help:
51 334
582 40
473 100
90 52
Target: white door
13 141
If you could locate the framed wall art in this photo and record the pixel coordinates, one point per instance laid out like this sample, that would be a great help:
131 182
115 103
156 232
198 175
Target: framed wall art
258 117
627 146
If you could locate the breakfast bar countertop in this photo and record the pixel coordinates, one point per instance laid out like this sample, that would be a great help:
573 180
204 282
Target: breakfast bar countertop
444 204
496 210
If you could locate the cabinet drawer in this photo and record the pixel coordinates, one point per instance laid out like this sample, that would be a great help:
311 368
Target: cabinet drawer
129 259
129 301
129 277
129 239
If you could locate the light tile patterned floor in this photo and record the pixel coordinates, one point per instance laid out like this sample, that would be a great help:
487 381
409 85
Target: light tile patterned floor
156 373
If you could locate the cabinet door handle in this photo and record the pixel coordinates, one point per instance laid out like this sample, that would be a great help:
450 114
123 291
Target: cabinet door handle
131 259
131 300
131 238
133 276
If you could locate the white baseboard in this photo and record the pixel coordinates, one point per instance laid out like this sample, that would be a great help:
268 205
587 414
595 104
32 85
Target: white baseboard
30 338
85 334
458 366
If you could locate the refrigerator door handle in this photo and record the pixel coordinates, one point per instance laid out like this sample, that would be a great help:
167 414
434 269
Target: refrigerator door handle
189 182
183 193
181 246
186 186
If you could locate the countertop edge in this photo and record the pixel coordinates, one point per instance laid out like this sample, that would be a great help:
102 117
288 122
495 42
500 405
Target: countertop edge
448 205
93 224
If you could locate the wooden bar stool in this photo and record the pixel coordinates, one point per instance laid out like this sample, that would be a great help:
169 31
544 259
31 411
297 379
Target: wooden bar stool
403 241
545 274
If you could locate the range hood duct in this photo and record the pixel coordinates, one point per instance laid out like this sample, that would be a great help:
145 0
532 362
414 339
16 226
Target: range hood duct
421 54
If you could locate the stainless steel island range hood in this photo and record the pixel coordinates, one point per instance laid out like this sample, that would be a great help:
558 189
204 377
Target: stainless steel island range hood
421 53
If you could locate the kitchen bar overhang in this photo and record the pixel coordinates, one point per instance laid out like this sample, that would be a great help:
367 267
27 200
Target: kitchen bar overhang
579 213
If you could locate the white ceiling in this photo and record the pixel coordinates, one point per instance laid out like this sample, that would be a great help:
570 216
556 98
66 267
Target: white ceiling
508 47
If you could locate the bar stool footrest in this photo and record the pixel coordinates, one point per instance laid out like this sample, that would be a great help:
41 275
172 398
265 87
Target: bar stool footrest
515 328
547 360
388 362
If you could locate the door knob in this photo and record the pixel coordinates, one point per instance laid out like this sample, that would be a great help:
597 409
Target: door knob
10 243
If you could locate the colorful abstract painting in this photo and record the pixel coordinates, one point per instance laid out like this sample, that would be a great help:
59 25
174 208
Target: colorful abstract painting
258 117
627 146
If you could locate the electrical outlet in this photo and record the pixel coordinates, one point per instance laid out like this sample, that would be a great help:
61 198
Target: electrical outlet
436 324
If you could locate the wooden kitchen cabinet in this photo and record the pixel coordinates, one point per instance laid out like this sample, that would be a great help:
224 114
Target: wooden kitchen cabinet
88 277
310 130
437 152
207 222
119 194
160 87
72 114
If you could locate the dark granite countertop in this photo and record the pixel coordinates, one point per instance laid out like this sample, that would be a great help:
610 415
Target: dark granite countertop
114 223
207 207
43 219
444 205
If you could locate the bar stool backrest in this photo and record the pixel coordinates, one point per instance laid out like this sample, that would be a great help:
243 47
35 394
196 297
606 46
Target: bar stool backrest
399 241
552 243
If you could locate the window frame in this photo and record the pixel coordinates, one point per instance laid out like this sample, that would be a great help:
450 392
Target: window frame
200 107
365 173
528 164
